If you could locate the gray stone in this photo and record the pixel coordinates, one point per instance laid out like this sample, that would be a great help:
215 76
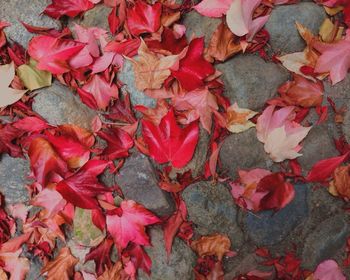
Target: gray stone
250 81
28 11
58 105
35 269
284 35
269 227
243 151
180 264
327 239
212 210
96 17
199 26
127 76
13 173
138 182
317 145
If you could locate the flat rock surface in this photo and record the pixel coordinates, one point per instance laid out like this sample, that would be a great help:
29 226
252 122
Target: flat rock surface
181 260
27 11
243 151
284 36
199 26
58 105
138 181
212 210
13 178
269 227
327 239
250 81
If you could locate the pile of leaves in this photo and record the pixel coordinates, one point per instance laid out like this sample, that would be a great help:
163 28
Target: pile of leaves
179 73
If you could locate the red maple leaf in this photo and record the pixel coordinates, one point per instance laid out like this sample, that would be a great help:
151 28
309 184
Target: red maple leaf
82 188
119 142
193 68
45 162
100 254
167 142
127 223
53 53
70 8
144 18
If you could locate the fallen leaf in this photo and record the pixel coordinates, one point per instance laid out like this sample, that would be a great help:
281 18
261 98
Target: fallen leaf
32 77
328 270
280 133
302 92
341 181
216 244
53 54
8 95
213 8
82 187
45 162
143 18
334 59
62 267
71 8
101 255
167 142
222 43
193 68
101 91
127 223
196 104
323 169
151 70
239 18
238 119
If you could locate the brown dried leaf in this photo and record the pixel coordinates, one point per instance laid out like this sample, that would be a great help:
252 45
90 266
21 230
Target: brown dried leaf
215 244
341 181
114 273
151 70
222 44
62 267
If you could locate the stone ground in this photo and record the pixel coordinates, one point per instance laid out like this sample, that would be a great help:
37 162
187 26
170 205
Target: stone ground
315 221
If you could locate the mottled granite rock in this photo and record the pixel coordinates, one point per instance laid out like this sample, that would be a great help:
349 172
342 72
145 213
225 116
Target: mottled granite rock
317 145
58 105
326 240
180 264
269 227
250 81
13 178
200 26
138 181
243 151
212 210
29 12
284 37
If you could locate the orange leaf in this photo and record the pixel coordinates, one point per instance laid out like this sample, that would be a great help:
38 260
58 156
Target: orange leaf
62 267
210 245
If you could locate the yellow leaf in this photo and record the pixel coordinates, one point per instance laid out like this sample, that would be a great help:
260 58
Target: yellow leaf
329 32
8 95
32 77
333 11
238 119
